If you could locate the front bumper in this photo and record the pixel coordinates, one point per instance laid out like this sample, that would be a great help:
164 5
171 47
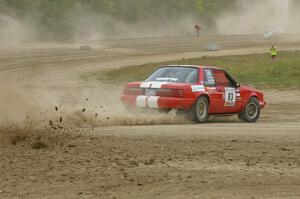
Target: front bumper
262 103
158 102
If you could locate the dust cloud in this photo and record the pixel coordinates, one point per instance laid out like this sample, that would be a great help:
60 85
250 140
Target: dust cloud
81 24
51 115
15 30
93 107
90 26
258 17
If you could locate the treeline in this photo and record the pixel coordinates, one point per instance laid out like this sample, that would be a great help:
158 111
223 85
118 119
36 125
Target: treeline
55 16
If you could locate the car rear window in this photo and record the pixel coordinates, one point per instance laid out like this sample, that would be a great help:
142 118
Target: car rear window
175 74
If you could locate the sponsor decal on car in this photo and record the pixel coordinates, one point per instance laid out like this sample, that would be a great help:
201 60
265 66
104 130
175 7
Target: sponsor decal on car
230 96
211 90
198 88
238 94
167 79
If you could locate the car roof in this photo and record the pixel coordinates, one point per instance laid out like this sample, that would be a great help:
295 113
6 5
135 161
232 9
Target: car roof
194 66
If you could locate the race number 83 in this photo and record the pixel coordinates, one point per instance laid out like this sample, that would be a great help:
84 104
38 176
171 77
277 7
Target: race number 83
230 96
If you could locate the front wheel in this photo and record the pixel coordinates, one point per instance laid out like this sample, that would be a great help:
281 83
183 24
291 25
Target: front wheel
251 112
200 110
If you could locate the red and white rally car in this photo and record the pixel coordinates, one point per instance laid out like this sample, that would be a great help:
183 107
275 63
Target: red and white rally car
203 90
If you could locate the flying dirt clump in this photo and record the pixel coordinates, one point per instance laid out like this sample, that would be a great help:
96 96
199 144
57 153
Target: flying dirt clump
43 132
38 133
36 137
43 119
39 145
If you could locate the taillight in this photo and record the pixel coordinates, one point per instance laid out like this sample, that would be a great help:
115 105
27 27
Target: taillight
166 92
134 91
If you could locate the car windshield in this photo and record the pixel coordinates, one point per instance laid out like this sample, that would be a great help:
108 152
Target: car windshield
175 74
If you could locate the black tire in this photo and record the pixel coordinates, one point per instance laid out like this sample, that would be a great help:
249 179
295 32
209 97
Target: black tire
200 110
251 112
165 111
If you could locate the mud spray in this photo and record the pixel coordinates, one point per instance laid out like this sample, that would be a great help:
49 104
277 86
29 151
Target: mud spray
54 115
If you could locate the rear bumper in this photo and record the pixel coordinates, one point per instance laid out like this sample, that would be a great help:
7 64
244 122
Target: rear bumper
158 102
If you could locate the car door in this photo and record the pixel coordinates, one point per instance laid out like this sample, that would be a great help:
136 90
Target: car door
216 95
226 91
239 103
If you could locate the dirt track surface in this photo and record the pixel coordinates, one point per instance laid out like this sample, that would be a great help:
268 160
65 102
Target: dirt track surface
190 161
221 159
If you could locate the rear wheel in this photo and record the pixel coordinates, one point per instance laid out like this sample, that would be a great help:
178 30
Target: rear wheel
251 112
200 110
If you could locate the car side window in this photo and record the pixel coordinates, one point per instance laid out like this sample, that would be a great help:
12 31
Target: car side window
221 78
209 79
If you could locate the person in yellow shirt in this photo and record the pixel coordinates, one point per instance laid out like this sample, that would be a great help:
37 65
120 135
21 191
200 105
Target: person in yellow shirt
274 53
